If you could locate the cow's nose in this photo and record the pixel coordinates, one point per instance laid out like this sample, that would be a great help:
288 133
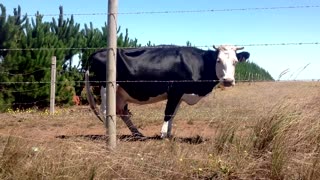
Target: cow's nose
228 82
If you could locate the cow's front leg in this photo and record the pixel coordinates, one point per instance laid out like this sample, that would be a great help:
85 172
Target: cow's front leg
126 117
172 106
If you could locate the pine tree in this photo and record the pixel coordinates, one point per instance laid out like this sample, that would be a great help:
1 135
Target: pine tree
250 71
11 34
69 33
27 46
34 65
92 39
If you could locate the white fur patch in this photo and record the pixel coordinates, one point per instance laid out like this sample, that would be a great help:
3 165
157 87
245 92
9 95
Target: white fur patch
167 125
166 129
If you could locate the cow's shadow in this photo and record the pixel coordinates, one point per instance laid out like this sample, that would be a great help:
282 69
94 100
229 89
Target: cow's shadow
129 138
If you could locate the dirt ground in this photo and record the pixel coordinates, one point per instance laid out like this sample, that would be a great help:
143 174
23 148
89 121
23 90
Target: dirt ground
244 101
45 127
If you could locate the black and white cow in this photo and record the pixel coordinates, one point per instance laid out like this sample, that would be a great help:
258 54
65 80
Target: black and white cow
169 73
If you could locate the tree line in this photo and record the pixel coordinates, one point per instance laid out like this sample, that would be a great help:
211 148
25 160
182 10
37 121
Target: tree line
27 46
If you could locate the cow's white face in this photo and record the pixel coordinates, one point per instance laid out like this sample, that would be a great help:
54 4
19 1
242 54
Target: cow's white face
226 64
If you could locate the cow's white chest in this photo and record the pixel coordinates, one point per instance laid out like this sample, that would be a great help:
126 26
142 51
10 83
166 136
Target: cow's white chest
191 99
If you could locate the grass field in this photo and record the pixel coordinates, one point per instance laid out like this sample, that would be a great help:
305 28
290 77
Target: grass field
266 130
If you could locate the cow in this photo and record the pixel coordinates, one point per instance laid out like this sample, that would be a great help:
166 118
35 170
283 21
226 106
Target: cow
152 74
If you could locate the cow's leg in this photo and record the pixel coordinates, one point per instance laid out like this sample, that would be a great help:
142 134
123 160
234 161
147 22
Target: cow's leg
122 111
126 117
103 105
172 106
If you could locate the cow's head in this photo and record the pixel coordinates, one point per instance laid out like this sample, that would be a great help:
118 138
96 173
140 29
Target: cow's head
226 63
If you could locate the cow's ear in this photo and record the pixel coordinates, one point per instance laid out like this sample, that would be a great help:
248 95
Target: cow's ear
243 56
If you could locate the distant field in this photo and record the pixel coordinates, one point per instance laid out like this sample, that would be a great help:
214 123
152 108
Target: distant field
266 130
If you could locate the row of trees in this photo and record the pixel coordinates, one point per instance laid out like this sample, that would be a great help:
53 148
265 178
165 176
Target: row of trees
26 48
250 71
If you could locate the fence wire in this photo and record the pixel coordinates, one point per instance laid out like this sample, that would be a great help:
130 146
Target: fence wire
248 81
25 103
162 46
22 74
134 81
180 11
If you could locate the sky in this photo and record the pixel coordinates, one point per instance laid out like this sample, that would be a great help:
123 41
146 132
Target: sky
269 26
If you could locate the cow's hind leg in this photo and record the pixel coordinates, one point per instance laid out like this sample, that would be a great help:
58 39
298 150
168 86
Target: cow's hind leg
122 111
172 106
126 117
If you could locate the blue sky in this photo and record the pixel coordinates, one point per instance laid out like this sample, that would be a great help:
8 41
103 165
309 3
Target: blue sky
208 28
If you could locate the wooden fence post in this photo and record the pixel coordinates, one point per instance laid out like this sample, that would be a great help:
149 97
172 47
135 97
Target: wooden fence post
53 85
111 86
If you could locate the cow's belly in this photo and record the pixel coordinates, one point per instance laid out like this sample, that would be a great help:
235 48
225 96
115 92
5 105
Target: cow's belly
191 99
123 96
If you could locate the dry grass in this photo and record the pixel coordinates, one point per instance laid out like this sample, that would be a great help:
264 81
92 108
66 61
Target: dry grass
258 131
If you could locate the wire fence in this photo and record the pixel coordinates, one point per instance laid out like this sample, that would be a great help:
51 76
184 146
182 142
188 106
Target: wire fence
182 11
136 160
248 78
21 92
166 46
6 71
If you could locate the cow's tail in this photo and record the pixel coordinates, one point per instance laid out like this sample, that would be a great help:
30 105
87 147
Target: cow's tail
90 98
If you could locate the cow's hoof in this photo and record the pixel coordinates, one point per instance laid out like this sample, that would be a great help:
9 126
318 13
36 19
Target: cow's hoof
138 136
165 136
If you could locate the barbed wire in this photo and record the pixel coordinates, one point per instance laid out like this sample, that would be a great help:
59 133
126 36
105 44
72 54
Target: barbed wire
24 103
183 81
180 11
281 44
128 81
220 10
23 91
50 49
161 46
23 74
198 114
156 81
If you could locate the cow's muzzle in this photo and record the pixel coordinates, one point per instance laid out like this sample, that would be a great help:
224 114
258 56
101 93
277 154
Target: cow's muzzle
228 82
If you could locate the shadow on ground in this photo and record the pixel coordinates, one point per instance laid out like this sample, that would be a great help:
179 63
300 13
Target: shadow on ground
129 138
